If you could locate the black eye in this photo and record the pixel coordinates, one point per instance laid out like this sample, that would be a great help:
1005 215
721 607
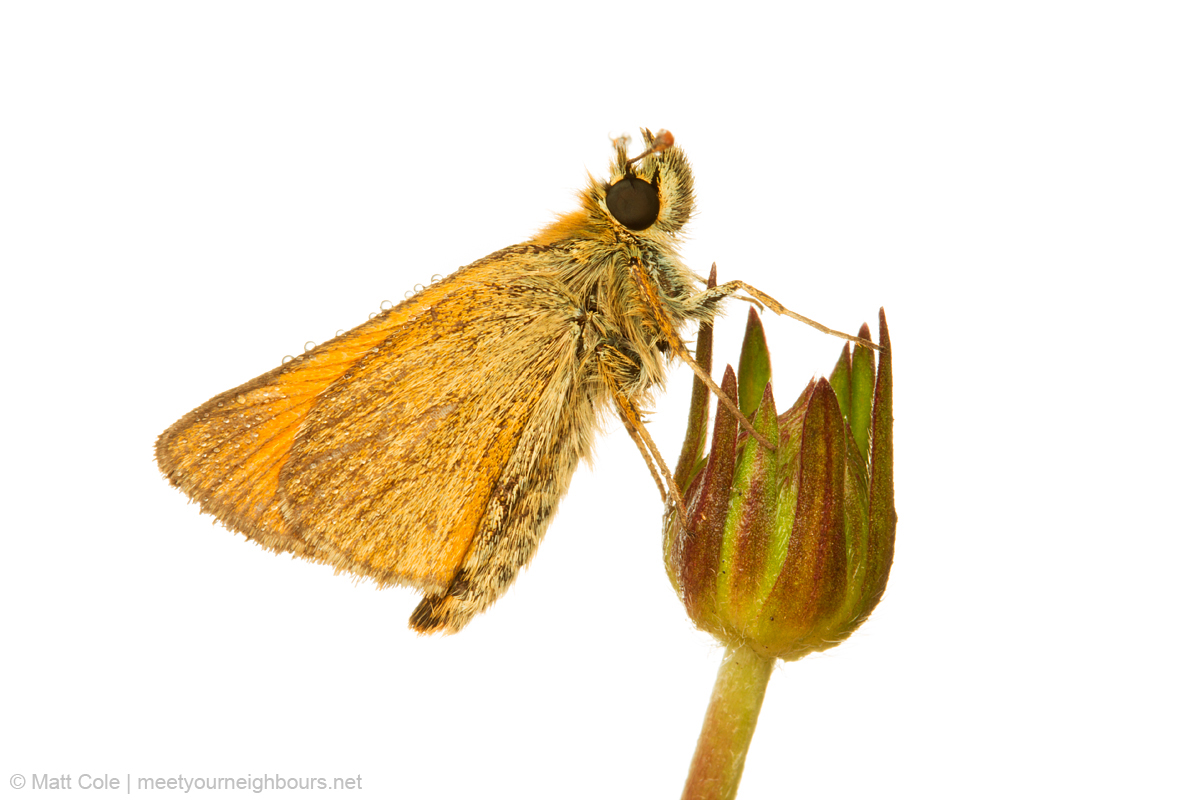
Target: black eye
633 202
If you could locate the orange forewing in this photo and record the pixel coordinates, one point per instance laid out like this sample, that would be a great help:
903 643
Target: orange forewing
368 453
227 454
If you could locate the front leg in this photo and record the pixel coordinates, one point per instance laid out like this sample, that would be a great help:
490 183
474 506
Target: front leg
711 297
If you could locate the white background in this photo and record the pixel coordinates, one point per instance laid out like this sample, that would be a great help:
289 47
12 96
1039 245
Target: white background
188 193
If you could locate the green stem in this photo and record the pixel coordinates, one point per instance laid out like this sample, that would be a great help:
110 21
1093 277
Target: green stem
729 725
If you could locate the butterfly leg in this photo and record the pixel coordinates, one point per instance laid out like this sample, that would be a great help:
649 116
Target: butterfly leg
710 297
649 295
616 369
641 437
641 446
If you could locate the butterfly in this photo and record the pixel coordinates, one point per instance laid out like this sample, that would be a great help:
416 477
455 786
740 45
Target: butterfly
429 447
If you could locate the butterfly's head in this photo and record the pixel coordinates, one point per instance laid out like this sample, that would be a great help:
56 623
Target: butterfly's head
649 194
651 190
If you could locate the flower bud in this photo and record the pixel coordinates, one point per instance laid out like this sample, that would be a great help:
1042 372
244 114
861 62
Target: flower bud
787 550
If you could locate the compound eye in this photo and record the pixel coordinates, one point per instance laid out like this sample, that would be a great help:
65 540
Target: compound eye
634 203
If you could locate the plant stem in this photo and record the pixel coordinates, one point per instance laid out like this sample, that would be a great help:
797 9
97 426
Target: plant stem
729 724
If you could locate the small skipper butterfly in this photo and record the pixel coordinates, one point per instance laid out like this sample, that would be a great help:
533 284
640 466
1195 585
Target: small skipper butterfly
429 447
